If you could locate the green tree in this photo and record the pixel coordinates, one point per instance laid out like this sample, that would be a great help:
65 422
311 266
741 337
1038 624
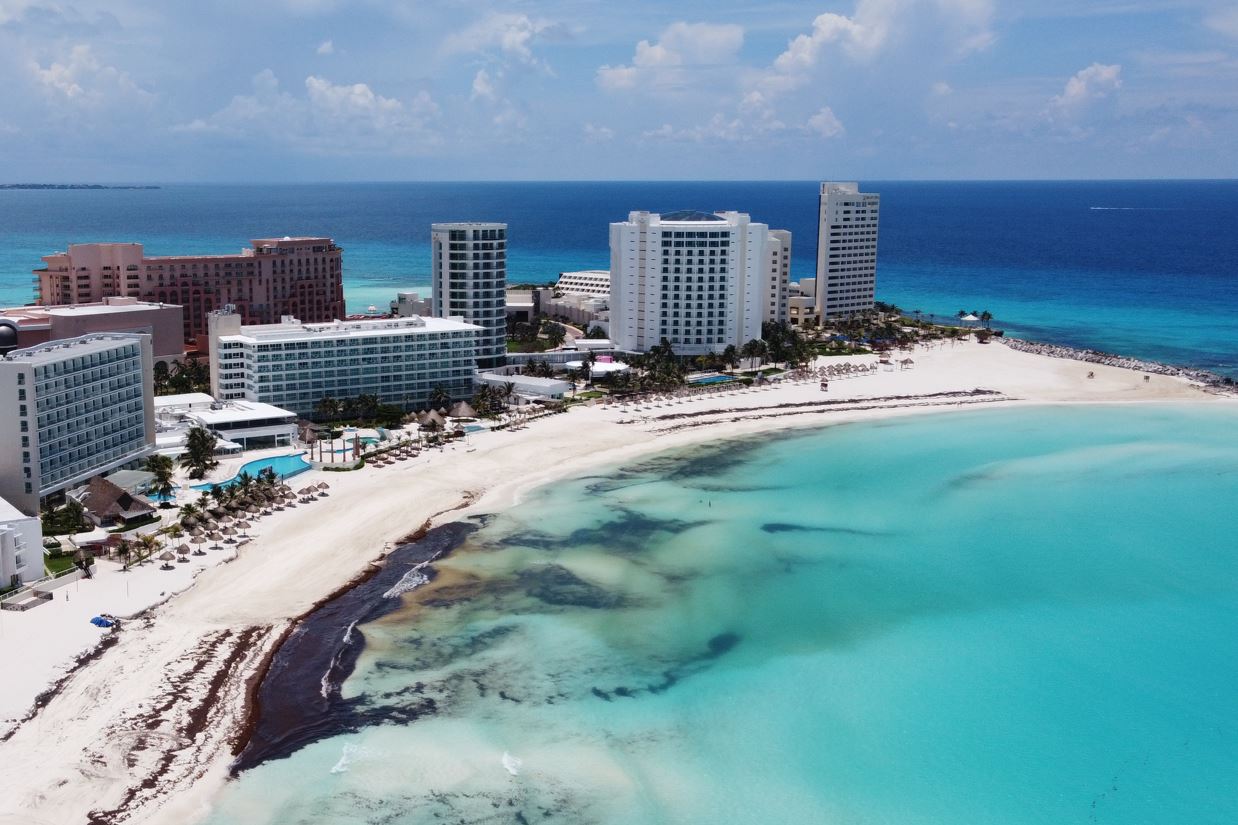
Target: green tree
327 409
439 397
162 467
199 455
985 317
554 332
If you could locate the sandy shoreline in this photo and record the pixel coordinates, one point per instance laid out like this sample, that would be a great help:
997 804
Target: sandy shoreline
145 732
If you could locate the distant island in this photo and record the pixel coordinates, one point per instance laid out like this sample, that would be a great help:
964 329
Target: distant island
68 186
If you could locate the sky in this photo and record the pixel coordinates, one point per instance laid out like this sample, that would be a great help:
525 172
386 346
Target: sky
326 90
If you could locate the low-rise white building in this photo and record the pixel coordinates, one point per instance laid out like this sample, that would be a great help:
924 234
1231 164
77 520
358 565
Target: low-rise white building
592 282
529 386
21 546
73 409
400 361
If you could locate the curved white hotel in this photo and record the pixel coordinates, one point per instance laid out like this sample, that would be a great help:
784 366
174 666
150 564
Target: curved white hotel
293 365
701 280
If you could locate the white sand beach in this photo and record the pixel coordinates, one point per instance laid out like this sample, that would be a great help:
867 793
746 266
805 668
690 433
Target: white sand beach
143 732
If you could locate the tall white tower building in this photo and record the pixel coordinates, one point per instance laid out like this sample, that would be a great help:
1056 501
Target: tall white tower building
846 250
470 281
701 280
778 278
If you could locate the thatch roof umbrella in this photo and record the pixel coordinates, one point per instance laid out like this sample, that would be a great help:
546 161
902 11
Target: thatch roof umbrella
216 538
165 557
182 550
189 521
197 532
243 526
229 532
252 509
461 409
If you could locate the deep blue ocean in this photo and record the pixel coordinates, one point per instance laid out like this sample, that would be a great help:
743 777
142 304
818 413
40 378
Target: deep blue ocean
1143 268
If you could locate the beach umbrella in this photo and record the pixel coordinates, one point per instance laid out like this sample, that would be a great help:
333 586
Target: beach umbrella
229 532
216 537
244 525
461 409
189 521
165 557
322 485
197 532
182 551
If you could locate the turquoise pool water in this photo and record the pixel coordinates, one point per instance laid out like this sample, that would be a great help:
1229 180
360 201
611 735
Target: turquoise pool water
712 379
285 466
1010 616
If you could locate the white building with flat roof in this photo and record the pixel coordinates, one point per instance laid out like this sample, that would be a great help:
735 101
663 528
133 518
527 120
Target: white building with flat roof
21 546
592 282
469 276
73 409
846 250
294 365
701 280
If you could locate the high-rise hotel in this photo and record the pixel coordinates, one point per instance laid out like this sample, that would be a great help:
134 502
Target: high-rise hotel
272 278
73 409
469 270
701 280
846 250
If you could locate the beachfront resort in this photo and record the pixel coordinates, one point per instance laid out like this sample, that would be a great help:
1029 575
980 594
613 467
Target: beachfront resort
171 511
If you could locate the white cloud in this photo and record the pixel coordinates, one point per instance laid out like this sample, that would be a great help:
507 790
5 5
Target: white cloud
825 123
1095 82
598 134
325 47
1224 21
941 89
680 44
511 36
483 86
330 119
83 79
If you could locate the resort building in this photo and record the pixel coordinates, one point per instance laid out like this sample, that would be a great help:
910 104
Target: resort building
469 272
273 278
592 282
701 280
846 250
22 327
778 277
21 546
408 304
239 425
73 409
293 365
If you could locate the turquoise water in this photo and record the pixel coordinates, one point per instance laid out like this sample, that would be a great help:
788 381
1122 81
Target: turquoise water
712 379
1008 616
285 466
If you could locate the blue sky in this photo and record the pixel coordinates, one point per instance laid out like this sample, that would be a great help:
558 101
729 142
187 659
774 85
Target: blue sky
311 90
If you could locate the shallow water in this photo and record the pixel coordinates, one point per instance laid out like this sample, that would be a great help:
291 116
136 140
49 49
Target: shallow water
1016 616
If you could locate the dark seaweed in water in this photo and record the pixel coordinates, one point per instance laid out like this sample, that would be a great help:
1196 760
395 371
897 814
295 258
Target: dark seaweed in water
555 584
290 708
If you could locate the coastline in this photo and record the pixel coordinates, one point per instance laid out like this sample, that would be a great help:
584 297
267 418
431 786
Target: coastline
145 733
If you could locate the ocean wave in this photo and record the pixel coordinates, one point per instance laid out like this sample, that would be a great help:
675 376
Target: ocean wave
512 763
346 757
409 581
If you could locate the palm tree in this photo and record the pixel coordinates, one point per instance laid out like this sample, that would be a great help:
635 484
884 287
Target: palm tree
162 467
199 454
148 543
327 408
985 317
439 397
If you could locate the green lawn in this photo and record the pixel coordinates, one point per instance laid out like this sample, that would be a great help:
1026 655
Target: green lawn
57 564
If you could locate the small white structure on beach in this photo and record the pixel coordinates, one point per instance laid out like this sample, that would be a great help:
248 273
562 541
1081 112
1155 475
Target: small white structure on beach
21 546
528 385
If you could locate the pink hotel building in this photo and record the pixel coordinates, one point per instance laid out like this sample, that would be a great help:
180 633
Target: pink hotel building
278 276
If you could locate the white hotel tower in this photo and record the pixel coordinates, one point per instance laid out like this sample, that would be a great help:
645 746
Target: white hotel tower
469 268
846 250
701 280
72 409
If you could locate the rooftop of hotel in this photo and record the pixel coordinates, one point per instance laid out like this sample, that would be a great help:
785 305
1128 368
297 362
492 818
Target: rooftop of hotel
59 350
10 513
294 329
231 412
184 399
34 316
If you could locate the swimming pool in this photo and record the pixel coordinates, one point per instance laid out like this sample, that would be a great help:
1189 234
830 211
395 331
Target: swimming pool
285 466
711 379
